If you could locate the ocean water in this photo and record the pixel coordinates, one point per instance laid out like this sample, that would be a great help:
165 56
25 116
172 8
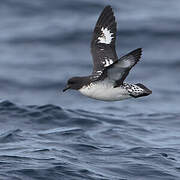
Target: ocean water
48 134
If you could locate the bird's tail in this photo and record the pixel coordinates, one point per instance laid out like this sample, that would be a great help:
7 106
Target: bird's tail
139 90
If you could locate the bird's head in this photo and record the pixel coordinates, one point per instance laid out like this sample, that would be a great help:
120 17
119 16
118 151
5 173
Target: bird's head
73 83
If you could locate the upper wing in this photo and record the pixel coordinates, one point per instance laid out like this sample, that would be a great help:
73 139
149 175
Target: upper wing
103 42
118 71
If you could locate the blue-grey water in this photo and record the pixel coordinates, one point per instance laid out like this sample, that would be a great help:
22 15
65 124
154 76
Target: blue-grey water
47 134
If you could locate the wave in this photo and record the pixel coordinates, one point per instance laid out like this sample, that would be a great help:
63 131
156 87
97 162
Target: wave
40 141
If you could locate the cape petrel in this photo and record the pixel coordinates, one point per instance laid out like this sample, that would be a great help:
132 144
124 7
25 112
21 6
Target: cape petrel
107 79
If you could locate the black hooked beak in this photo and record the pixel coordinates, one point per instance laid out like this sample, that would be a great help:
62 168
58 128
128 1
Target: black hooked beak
66 88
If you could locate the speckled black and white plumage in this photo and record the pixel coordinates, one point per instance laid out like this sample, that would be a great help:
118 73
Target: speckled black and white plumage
103 41
107 79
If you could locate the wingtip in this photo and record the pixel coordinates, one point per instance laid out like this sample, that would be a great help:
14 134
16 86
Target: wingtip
108 7
137 53
139 50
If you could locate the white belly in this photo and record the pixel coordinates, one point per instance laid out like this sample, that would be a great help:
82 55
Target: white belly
105 91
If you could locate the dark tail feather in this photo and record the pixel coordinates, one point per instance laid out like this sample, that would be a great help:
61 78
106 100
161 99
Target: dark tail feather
140 91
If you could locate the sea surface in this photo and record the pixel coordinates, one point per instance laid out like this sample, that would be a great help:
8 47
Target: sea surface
46 134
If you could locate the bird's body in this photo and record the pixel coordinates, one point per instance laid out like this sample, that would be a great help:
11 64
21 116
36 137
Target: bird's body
107 80
105 91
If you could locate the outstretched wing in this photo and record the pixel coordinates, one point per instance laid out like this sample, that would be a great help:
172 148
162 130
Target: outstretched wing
118 71
103 42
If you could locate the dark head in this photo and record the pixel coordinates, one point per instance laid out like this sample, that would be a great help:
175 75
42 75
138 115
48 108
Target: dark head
75 83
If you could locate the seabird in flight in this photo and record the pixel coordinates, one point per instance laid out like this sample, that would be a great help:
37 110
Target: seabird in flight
109 72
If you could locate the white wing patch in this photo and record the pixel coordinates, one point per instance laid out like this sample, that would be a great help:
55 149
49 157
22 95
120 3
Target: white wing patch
99 72
96 75
107 62
106 36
